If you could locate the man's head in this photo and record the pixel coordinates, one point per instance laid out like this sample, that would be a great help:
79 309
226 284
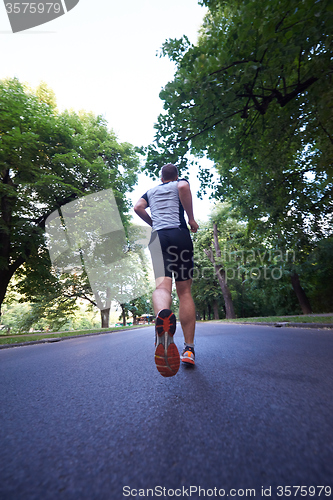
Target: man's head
169 173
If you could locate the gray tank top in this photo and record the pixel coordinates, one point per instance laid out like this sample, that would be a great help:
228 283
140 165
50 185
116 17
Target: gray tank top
165 207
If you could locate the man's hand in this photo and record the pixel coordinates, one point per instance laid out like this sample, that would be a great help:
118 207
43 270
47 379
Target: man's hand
193 225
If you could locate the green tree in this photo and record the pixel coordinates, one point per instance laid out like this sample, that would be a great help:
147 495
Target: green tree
206 291
47 160
215 243
137 307
318 270
256 272
53 292
255 95
250 58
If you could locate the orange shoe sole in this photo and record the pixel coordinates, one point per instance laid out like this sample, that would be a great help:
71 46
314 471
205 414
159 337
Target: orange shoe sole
167 357
188 361
167 362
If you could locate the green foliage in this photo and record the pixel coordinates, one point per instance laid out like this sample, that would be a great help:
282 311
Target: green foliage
250 55
46 95
138 307
257 273
14 315
54 294
205 287
46 315
48 159
255 95
318 270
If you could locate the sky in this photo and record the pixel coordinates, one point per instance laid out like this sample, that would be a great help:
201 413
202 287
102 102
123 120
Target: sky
102 57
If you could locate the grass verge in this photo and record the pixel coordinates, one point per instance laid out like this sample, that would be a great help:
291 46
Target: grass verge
24 337
328 319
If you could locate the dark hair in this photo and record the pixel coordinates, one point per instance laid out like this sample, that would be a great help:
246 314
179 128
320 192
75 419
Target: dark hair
169 172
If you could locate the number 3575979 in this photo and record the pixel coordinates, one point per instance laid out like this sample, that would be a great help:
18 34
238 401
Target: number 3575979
33 8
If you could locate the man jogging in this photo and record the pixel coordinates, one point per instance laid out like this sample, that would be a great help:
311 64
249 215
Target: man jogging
171 240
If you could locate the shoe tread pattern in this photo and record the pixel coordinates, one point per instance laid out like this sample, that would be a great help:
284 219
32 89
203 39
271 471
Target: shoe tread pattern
165 322
167 357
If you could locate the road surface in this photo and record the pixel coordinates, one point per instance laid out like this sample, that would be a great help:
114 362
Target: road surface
91 418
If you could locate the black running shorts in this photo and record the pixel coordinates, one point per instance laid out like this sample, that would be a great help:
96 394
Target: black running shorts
172 253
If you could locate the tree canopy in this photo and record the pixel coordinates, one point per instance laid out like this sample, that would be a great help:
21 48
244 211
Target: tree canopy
255 95
47 160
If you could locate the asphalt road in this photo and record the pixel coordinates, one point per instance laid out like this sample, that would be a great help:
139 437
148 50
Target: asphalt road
92 418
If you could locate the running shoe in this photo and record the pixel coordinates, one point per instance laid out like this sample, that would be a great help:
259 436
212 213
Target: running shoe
188 355
167 358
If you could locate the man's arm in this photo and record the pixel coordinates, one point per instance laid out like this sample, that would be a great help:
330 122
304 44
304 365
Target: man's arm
185 197
140 210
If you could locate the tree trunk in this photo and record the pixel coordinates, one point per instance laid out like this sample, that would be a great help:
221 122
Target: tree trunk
300 294
229 307
220 273
216 309
242 306
123 315
105 314
4 280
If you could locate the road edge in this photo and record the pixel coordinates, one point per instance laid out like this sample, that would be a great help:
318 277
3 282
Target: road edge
279 324
59 339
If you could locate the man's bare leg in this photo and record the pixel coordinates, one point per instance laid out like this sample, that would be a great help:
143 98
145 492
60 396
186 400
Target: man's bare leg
162 294
167 358
186 310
